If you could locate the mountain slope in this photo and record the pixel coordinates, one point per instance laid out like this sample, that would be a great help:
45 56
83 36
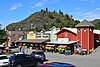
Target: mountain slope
44 19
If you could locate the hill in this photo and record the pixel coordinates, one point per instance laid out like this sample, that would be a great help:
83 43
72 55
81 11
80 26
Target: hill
96 22
44 20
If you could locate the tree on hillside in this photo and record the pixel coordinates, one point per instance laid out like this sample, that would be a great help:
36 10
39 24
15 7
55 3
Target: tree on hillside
0 26
2 34
46 9
43 18
60 12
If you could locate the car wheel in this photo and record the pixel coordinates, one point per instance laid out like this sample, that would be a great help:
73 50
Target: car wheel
18 65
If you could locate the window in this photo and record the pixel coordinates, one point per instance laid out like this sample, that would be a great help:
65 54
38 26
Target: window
14 35
78 29
84 29
3 57
28 57
19 35
91 29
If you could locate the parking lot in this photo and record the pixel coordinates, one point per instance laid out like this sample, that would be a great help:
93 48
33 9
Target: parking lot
77 60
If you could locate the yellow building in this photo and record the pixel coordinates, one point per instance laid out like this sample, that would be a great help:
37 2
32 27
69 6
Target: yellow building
31 35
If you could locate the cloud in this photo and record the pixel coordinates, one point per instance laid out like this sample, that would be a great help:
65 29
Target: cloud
92 1
43 2
6 22
96 9
16 6
89 15
39 4
77 9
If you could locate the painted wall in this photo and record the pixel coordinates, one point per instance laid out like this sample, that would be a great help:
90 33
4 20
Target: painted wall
31 35
91 39
67 34
86 38
79 36
15 35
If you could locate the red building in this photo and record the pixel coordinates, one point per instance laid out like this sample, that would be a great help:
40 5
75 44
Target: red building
83 35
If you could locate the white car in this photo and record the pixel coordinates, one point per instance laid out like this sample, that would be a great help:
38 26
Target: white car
4 60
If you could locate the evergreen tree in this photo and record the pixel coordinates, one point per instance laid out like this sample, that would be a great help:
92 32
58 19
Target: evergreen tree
60 12
46 9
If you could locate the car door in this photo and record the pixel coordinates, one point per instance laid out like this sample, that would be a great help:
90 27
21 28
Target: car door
30 60
21 59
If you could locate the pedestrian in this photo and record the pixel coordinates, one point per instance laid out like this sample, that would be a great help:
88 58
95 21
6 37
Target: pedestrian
23 50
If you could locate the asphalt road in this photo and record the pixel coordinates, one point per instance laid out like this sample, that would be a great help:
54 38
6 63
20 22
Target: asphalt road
92 60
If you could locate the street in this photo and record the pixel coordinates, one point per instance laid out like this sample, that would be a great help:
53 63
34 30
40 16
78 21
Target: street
77 60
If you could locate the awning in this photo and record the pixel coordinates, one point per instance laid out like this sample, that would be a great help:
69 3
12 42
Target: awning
70 42
50 45
32 41
62 46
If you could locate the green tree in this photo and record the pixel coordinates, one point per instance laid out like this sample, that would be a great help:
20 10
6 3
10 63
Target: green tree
46 9
60 12
2 34
0 26
58 20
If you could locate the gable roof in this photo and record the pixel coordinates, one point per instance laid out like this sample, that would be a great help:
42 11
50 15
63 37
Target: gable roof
73 30
85 23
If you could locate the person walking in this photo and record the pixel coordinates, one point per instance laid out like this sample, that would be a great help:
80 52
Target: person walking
23 50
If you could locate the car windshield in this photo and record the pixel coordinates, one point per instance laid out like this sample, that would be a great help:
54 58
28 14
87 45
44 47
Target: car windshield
3 57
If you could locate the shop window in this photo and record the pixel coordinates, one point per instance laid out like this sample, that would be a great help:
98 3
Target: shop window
14 35
19 35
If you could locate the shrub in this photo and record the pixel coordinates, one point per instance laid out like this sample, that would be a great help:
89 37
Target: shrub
61 51
81 53
90 51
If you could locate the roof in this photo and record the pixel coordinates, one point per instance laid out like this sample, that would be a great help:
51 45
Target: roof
96 31
73 30
32 40
58 42
49 45
62 46
85 23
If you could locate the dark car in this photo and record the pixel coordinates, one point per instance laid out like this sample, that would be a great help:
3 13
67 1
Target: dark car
22 60
39 54
56 64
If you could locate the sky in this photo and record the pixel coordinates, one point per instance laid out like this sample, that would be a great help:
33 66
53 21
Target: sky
16 10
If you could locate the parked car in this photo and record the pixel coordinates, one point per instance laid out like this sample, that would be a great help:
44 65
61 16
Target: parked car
4 60
13 49
2 49
39 54
22 60
56 64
